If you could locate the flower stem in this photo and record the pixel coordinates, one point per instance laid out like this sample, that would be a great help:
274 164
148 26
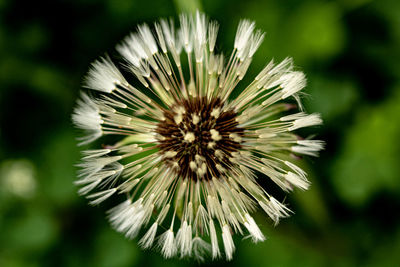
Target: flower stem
188 6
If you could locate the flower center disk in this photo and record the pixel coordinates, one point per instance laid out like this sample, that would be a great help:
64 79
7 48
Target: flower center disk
197 138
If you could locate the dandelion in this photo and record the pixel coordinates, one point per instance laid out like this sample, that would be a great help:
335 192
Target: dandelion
190 153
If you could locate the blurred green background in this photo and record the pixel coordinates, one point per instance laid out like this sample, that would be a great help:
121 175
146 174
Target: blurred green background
350 51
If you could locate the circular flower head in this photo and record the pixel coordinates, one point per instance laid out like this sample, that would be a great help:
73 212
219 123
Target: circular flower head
191 151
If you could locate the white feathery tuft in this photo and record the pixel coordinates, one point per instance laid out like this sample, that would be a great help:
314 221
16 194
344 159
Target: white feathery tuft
255 42
200 248
292 83
243 34
253 229
185 32
214 240
148 39
87 117
101 196
104 76
128 217
275 209
212 35
229 246
148 239
184 239
200 36
297 181
94 153
167 244
306 121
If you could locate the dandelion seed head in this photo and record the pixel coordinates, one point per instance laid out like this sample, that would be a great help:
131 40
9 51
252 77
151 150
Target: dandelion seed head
190 151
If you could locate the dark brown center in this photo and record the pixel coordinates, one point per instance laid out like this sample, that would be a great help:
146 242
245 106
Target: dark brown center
198 136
